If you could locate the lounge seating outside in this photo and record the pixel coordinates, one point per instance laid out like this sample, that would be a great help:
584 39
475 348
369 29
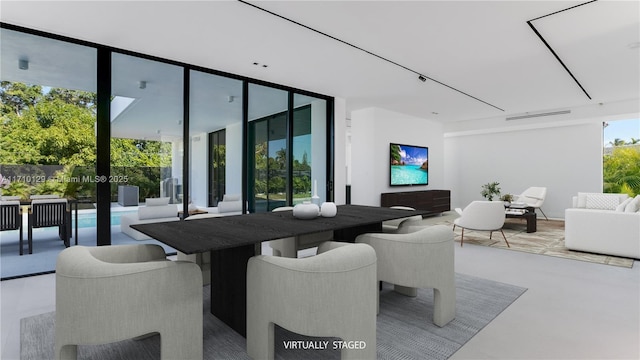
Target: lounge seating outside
11 218
111 293
49 212
156 210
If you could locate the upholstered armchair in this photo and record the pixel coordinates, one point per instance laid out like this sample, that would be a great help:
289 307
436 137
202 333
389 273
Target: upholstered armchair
111 293
331 294
202 259
533 197
11 218
483 216
419 257
288 247
391 226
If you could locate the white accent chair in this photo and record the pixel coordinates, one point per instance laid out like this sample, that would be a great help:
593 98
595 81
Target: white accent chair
331 294
155 210
288 247
202 259
418 257
111 293
482 216
391 226
533 197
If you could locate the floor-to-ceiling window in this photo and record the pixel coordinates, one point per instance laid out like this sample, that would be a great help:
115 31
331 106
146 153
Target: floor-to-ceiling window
111 130
47 140
215 133
146 134
621 157
268 148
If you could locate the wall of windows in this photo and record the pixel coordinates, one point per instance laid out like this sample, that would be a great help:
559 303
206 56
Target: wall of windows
160 127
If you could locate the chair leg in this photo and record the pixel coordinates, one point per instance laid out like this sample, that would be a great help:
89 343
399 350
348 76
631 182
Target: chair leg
30 235
444 304
490 234
462 237
545 216
505 238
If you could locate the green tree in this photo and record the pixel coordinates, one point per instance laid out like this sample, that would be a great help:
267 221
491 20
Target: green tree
621 171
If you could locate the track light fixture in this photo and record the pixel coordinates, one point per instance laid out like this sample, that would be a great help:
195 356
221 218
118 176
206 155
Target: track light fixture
422 78
142 84
23 64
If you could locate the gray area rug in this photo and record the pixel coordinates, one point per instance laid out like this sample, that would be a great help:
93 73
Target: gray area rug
405 329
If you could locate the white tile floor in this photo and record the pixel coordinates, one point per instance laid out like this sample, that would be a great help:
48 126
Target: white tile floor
572 310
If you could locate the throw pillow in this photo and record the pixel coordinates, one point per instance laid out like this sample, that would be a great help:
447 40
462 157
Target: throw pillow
157 201
633 205
623 205
602 201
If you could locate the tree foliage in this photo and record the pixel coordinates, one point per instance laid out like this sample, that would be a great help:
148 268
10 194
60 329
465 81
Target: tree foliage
621 171
53 126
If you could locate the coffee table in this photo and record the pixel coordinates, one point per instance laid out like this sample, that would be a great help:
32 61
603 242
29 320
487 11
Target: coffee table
527 213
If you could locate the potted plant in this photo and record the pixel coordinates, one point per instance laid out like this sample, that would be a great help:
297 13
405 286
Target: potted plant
490 190
507 198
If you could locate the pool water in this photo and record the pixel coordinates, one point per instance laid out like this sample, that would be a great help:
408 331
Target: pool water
89 220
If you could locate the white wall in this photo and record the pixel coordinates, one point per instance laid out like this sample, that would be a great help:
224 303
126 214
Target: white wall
340 151
565 159
233 175
199 169
372 130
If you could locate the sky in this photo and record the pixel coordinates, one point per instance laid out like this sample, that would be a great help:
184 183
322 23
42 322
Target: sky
622 129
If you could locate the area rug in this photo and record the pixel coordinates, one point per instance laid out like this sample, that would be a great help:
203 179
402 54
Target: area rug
547 240
404 331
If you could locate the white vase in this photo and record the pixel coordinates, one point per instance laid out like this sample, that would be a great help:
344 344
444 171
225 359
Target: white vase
328 209
306 210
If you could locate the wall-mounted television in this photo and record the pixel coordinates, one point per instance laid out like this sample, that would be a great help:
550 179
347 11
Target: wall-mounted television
409 165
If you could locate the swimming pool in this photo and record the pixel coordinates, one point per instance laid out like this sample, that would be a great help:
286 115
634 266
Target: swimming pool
89 219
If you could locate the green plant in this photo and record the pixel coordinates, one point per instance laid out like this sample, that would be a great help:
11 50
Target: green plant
490 190
507 197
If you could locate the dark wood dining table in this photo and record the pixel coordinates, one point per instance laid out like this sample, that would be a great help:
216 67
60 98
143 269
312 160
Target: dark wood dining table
232 240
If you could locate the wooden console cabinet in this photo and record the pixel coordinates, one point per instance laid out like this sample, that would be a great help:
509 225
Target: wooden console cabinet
436 201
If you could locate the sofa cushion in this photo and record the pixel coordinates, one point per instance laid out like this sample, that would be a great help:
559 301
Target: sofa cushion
153 212
231 197
602 201
582 199
229 206
157 201
633 205
623 205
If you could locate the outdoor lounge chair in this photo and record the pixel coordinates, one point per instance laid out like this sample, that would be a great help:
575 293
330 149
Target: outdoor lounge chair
48 213
11 217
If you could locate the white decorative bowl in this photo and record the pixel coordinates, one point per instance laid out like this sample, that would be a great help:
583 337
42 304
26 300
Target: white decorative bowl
328 209
306 211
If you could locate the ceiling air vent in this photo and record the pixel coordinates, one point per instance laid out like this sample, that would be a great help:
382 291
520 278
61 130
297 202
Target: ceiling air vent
533 115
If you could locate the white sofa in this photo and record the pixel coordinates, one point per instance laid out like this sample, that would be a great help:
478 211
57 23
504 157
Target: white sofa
604 224
156 210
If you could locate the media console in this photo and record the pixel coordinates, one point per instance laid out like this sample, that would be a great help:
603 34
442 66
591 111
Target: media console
436 201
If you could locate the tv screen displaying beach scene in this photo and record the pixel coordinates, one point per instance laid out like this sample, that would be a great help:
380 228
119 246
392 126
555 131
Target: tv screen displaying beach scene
409 165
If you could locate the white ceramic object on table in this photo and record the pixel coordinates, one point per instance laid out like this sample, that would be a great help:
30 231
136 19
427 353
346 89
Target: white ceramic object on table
328 209
306 211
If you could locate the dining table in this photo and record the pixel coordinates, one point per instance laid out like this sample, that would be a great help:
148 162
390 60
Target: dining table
233 240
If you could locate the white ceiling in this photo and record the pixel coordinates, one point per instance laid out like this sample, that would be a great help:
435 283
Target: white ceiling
484 49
